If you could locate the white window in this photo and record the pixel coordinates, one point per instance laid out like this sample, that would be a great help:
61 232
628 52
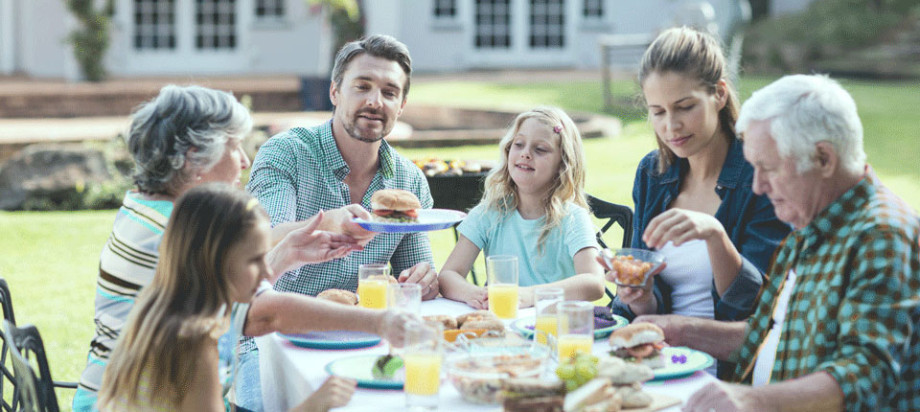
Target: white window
445 9
154 24
215 27
592 9
269 9
547 24
493 24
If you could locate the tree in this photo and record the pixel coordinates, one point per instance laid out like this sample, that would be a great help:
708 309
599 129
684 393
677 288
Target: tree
345 22
91 40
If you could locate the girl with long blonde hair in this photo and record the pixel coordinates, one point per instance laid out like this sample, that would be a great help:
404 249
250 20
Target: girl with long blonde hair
534 207
213 259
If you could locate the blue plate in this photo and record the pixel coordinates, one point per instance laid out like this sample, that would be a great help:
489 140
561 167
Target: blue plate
359 369
680 362
333 339
428 220
525 327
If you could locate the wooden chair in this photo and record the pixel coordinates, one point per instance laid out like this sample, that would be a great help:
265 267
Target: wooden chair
615 214
6 371
35 391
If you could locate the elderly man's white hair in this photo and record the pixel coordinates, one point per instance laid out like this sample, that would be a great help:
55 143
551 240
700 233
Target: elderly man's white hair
804 110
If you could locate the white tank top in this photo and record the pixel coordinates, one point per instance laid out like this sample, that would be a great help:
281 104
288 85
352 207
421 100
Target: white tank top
689 273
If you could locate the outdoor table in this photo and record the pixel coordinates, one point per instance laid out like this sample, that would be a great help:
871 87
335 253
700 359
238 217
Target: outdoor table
290 373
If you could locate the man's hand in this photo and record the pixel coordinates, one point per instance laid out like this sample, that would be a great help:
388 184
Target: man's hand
341 220
721 396
394 326
423 274
308 245
334 392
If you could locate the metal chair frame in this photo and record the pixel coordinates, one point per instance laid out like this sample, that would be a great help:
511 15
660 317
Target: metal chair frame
36 392
615 214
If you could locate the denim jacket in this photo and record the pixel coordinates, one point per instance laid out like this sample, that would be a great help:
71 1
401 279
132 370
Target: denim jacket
748 220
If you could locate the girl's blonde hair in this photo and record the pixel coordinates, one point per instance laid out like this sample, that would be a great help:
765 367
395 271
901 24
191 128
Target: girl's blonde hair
501 192
186 307
699 56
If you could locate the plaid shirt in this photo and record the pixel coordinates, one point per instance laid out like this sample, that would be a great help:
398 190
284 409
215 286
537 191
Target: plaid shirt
854 311
300 172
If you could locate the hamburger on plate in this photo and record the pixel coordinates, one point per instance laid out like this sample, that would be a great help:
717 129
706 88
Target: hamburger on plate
640 343
395 206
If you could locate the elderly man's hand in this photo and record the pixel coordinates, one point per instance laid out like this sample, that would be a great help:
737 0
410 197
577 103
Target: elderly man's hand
423 274
394 326
680 226
672 325
341 220
721 396
306 245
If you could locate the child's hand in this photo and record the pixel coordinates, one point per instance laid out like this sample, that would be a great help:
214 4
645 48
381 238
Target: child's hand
477 297
394 326
335 392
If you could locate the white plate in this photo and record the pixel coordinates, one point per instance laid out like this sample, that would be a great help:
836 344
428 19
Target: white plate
428 220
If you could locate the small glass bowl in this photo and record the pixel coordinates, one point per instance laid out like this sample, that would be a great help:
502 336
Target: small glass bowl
478 370
636 267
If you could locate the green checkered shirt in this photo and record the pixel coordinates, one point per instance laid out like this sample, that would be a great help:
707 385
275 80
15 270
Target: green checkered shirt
300 172
854 311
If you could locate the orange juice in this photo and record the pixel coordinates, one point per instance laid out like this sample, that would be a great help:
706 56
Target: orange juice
423 373
547 325
372 293
569 345
503 300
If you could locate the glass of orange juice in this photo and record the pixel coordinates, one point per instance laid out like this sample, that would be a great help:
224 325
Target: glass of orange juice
422 357
373 279
545 302
503 285
576 328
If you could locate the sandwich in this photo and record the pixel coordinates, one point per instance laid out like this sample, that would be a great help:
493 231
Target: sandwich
532 395
345 297
639 343
598 395
395 206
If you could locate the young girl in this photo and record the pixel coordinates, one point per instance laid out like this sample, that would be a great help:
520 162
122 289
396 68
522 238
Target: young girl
693 195
534 208
213 258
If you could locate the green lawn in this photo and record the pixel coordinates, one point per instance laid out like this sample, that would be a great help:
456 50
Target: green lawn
50 259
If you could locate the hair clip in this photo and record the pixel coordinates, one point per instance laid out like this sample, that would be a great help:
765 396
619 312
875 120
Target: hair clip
252 204
557 128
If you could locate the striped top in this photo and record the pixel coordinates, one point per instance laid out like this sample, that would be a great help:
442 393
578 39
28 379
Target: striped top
127 264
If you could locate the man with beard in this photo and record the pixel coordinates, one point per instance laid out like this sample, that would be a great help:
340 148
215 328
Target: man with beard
302 171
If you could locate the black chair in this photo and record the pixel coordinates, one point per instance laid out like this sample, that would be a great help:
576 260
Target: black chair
615 214
35 392
457 193
7 380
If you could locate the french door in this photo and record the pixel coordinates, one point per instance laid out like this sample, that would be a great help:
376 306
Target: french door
523 32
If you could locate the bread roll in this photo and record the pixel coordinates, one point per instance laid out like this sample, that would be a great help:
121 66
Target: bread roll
493 325
477 315
342 296
636 334
448 321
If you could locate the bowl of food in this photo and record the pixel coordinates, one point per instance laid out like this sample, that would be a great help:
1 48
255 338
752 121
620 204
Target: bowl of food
632 267
478 369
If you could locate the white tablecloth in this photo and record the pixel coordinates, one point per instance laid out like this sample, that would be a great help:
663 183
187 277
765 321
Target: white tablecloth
290 373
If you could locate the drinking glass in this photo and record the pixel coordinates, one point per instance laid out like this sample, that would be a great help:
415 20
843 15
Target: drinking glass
546 323
576 328
405 297
373 279
422 358
503 285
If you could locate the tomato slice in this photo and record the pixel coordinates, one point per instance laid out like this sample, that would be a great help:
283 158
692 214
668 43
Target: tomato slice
641 351
383 212
411 213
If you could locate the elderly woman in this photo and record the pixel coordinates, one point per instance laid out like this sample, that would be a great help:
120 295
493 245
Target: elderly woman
184 137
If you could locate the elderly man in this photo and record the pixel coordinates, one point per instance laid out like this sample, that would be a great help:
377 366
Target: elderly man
302 171
838 325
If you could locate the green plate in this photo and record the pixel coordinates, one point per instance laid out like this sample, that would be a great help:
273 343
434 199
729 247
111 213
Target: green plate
359 369
680 362
525 326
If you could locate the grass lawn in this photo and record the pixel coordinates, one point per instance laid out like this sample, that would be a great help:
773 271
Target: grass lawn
50 259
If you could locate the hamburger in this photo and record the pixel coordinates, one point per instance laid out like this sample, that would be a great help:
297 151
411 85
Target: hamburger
639 343
395 205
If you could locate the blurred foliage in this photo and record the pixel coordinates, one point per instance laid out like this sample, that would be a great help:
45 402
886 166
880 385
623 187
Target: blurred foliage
826 29
345 18
91 41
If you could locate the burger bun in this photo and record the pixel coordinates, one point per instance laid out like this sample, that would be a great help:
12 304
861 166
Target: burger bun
394 199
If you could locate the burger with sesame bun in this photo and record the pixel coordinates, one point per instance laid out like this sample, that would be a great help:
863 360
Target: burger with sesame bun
640 343
395 206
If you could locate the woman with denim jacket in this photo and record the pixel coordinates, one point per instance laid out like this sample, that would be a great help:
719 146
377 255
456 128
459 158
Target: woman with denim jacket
693 195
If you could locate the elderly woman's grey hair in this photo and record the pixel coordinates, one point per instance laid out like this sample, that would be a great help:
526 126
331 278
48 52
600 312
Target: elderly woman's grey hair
182 132
804 110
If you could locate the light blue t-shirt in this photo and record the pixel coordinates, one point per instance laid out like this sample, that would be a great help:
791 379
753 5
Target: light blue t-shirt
514 235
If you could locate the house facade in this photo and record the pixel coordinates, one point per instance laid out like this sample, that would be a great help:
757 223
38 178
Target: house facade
264 37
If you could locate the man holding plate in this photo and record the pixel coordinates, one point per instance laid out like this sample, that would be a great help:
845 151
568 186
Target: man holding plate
302 171
836 327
